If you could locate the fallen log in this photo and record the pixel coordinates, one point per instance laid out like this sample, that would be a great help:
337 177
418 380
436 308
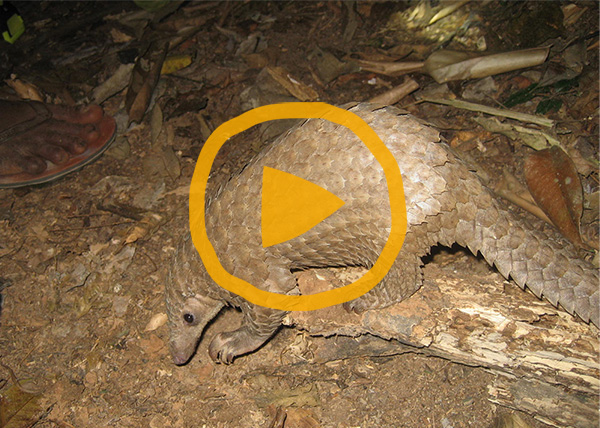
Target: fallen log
546 362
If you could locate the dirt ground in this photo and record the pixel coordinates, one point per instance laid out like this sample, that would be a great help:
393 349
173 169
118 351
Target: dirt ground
83 259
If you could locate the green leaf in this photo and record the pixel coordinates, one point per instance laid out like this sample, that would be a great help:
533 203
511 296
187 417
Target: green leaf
566 85
547 105
522 96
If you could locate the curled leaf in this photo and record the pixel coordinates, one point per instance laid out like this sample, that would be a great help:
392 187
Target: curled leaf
144 78
445 65
554 184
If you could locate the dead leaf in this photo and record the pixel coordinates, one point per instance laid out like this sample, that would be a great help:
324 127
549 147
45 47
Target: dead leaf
25 90
554 184
295 88
447 65
328 67
146 226
447 10
511 189
396 94
144 78
534 138
163 163
301 418
156 123
175 63
120 304
153 345
157 320
297 397
388 68
120 149
19 408
114 84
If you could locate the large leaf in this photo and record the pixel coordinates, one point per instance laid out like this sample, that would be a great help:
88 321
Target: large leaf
19 408
554 184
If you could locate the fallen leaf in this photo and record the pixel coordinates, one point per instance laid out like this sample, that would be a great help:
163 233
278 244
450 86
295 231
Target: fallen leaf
297 397
175 63
153 345
25 90
301 418
295 88
554 184
534 138
388 68
146 226
328 67
162 163
156 123
447 65
157 320
120 149
114 84
19 408
144 78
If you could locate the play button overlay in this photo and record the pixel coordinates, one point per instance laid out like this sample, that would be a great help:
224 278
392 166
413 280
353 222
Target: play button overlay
291 206
286 216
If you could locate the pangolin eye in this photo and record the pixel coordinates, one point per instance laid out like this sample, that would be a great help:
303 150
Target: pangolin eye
188 318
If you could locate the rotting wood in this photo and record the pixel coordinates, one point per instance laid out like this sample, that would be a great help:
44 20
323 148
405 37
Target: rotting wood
545 360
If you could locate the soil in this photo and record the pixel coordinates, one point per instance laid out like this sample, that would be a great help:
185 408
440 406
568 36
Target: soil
83 259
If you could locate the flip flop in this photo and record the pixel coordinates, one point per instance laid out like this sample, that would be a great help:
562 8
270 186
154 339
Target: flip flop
106 130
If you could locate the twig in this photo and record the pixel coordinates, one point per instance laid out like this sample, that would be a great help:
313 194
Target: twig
523 117
70 229
396 94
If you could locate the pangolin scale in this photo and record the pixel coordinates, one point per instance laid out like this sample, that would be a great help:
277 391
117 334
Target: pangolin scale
446 204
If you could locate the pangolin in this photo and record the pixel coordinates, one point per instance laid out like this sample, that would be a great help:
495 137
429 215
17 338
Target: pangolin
446 203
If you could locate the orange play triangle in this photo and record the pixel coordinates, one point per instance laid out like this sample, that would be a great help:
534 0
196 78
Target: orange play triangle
292 206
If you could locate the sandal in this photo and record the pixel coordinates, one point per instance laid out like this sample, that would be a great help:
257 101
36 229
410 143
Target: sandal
106 129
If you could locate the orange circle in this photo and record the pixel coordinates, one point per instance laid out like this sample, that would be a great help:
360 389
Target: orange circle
297 111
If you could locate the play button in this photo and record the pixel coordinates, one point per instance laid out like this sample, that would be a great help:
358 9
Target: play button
292 206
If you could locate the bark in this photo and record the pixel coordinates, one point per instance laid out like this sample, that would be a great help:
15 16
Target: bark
546 361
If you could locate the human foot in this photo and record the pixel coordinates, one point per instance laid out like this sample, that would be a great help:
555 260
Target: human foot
41 142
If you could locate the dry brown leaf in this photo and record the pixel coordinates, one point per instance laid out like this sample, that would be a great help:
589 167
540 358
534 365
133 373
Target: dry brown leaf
446 65
18 407
114 84
296 89
157 320
153 345
298 397
162 163
301 418
554 184
511 189
25 90
328 67
156 123
391 68
144 78
146 226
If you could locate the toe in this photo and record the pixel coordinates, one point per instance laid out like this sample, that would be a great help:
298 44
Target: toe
32 165
71 138
90 114
54 154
